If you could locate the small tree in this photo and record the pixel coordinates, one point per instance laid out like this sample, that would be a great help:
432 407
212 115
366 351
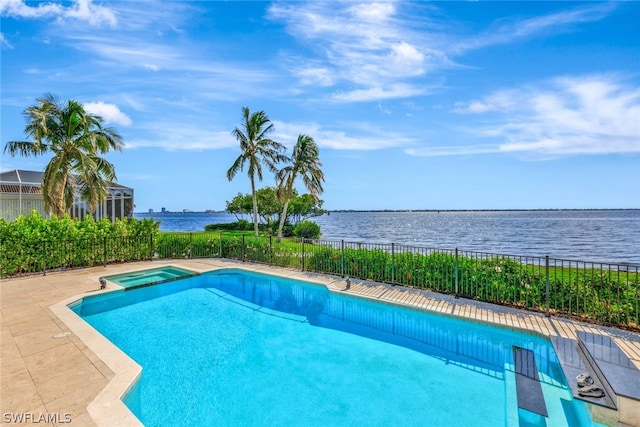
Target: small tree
304 207
268 205
240 205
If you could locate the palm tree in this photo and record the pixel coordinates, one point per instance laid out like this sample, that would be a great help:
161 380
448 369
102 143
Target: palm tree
76 139
256 149
305 162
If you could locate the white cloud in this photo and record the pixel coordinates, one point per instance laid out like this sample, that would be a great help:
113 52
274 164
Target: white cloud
406 55
4 42
560 20
383 109
373 11
595 114
393 91
215 78
372 48
340 140
359 137
109 112
17 8
175 136
460 150
85 10
502 100
522 28
82 10
127 52
310 75
473 107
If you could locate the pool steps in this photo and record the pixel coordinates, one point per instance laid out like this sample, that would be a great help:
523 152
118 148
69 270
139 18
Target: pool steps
600 357
528 387
157 282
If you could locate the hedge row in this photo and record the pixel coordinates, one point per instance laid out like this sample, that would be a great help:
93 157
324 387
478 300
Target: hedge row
32 244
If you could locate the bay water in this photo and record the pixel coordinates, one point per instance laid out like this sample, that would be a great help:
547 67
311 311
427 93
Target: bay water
610 236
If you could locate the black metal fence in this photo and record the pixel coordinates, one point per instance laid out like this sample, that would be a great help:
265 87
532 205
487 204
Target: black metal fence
604 293
28 257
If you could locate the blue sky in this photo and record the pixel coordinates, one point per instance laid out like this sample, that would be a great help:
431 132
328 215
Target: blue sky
414 105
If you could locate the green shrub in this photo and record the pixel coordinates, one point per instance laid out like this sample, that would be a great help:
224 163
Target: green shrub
240 225
307 230
287 229
32 243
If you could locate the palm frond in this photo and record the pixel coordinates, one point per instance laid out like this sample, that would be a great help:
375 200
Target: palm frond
235 167
24 148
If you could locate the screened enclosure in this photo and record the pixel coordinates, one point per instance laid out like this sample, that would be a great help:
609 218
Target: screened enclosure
21 194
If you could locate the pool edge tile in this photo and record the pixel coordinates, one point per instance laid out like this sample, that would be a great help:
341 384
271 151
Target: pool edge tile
107 408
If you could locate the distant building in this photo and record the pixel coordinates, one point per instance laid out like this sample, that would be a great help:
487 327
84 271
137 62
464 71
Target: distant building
150 211
21 194
164 210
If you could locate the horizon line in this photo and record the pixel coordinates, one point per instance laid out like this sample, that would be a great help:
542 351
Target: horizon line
414 210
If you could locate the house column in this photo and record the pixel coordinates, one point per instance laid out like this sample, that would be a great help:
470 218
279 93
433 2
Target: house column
122 204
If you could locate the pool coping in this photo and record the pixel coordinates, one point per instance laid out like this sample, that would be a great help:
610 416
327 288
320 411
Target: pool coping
108 409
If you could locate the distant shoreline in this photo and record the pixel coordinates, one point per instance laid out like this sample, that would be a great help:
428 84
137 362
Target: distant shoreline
483 210
415 210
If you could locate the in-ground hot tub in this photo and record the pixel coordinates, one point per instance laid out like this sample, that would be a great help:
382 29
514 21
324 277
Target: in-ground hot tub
153 276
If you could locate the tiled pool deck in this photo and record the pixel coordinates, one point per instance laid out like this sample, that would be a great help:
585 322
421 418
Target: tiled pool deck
55 366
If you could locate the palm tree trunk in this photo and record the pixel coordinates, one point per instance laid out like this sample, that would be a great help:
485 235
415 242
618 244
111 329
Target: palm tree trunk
255 206
283 218
60 197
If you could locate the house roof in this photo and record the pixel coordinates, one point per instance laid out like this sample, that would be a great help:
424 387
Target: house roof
18 177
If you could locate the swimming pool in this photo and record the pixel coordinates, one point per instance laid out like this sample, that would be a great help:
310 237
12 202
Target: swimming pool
151 276
236 348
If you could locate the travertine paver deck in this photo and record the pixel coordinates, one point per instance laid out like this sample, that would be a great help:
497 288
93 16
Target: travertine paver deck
54 365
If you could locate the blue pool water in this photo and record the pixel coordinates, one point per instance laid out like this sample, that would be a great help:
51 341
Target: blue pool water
236 348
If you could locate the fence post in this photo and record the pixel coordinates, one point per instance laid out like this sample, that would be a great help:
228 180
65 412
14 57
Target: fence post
456 293
104 251
393 271
242 253
151 246
303 254
190 244
342 257
546 264
44 257
270 250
